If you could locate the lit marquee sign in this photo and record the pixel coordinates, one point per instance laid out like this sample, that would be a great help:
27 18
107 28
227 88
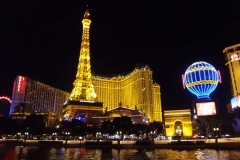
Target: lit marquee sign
233 57
206 108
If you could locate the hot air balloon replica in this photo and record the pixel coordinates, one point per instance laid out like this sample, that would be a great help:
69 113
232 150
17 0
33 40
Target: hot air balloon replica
201 79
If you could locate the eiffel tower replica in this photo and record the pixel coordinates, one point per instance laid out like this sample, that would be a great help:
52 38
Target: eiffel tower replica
82 103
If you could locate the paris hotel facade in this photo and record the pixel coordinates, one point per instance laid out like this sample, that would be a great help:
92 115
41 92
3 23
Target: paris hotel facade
136 89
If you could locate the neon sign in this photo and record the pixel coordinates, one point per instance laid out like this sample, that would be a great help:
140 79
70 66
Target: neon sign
6 98
201 79
19 83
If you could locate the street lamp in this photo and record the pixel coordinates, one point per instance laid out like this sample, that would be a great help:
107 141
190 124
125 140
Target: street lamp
26 136
120 135
67 135
54 136
98 134
216 130
18 136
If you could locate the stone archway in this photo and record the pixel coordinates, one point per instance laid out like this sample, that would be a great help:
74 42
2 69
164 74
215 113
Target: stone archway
178 123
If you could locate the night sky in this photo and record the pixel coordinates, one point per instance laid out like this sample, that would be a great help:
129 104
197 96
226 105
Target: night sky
41 40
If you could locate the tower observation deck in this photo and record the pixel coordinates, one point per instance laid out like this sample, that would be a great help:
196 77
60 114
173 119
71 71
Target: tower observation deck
82 100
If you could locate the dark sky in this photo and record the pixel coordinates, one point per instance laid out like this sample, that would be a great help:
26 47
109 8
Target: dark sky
41 40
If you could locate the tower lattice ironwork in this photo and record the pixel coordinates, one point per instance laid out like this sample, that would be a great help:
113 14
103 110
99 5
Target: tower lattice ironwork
82 101
83 87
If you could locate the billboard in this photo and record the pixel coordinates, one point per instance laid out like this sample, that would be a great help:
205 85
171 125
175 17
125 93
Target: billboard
235 101
206 108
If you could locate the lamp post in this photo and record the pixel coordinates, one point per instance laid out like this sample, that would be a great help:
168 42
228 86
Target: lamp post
152 134
67 136
26 136
98 134
216 130
54 136
119 136
18 136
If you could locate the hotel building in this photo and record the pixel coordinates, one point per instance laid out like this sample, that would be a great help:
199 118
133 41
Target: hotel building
232 56
42 97
136 89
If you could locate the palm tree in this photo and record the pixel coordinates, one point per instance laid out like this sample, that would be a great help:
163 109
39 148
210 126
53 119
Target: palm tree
236 119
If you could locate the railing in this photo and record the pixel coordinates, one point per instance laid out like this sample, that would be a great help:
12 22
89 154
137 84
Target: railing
220 140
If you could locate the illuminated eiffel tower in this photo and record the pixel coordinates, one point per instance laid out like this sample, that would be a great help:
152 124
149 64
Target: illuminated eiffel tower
82 101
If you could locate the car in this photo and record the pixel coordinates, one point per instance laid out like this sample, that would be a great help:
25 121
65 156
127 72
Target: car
210 136
201 136
227 135
195 136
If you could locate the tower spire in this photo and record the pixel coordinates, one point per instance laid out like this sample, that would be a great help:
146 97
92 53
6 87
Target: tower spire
86 14
83 87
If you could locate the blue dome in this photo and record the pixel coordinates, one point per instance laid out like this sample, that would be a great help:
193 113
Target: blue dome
201 79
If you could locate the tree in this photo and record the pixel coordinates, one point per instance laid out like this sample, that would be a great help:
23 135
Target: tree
34 124
236 120
156 127
77 127
123 124
211 122
139 129
65 125
9 126
107 128
236 112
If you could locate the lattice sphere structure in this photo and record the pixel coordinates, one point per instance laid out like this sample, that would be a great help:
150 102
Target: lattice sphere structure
201 79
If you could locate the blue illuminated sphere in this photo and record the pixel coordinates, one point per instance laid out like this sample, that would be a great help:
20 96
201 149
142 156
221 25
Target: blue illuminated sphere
201 79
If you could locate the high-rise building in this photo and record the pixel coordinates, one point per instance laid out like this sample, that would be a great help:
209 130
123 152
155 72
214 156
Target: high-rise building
42 97
82 100
136 89
232 56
